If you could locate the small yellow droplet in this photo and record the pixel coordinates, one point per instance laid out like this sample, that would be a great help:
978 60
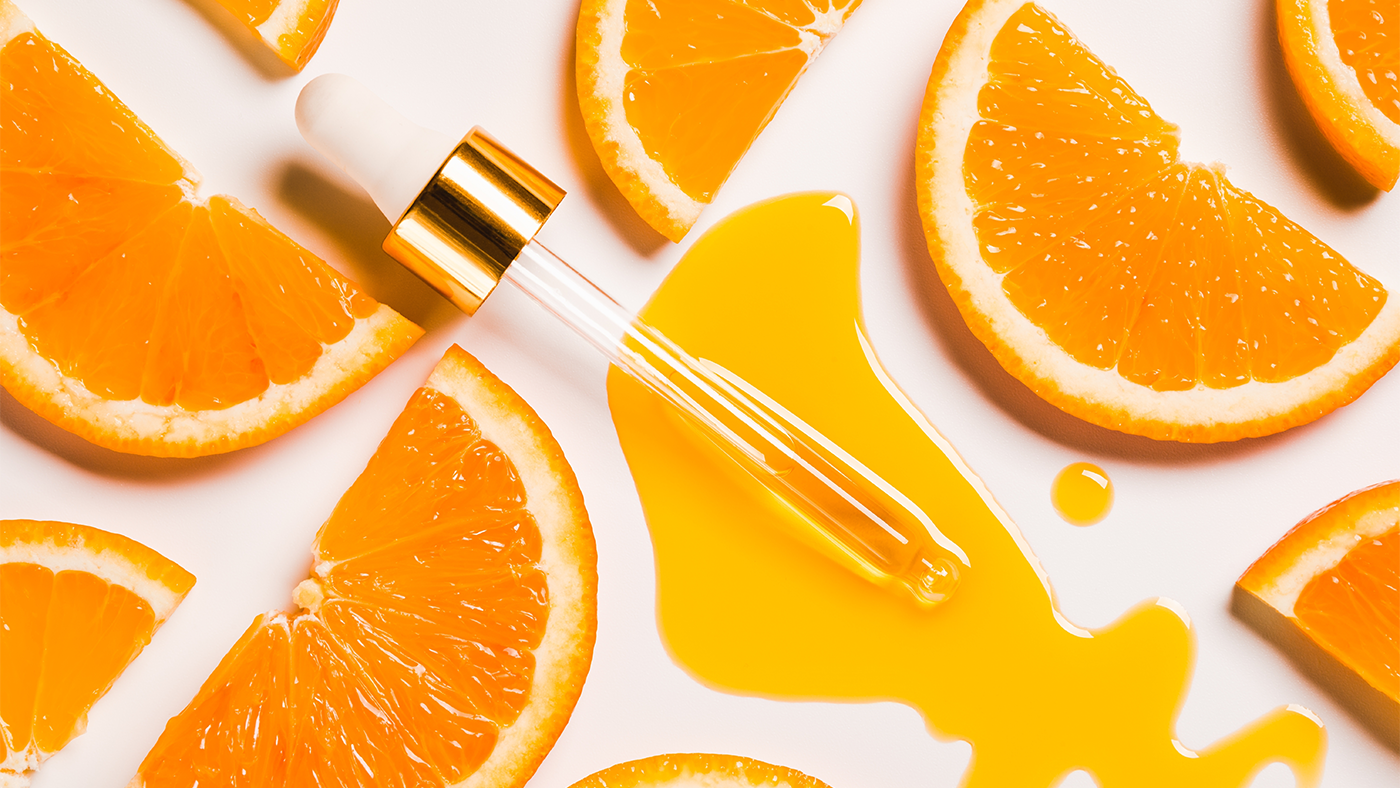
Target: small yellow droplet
1082 493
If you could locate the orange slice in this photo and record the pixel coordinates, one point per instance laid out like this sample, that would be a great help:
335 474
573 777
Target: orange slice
1122 285
77 605
674 92
447 626
1344 56
688 770
292 29
137 317
1328 594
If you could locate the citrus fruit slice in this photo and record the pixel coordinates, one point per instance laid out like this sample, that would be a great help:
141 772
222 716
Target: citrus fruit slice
686 770
76 606
1344 57
1328 594
1122 285
447 626
133 315
292 29
673 92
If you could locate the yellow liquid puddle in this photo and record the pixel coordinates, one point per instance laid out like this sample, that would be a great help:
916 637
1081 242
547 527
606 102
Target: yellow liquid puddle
1082 493
772 295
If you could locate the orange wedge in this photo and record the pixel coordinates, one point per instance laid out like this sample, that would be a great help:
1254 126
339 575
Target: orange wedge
292 29
674 92
1328 594
1344 57
689 770
77 605
447 626
1122 285
137 317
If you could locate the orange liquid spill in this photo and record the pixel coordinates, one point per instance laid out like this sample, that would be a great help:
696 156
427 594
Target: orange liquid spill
1082 493
772 295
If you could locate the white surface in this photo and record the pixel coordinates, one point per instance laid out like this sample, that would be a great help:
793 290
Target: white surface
1188 519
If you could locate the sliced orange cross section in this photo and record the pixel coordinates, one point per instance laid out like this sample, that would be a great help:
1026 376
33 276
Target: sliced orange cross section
1344 57
77 605
674 92
1328 593
1123 285
138 317
446 628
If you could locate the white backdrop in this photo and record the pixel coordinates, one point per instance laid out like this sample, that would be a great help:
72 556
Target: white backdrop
1188 519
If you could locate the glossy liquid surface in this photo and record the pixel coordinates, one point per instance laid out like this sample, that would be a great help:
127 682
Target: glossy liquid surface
772 295
1082 493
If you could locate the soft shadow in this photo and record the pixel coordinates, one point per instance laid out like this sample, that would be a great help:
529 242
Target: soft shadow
248 44
357 227
90 457
1312 154
601 190
1013 396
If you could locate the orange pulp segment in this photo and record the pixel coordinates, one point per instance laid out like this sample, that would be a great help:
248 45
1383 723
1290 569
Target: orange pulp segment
446 628
77 605
137 317
1369 43
1355 608
292 29
674 92
1128 287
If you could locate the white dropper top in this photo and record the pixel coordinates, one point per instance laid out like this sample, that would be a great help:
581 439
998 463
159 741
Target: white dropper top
390 156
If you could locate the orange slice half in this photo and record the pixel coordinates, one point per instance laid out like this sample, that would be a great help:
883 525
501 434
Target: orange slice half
77 605
1344 57
444 634
1328 594
1119 283
138 317
674 92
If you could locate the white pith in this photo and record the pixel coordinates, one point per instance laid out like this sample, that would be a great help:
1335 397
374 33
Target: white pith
13 22
173 425
112 567
1046 362
281 21
612 70
1344 77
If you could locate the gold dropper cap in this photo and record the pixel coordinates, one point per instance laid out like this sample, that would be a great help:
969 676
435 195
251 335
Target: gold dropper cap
472 220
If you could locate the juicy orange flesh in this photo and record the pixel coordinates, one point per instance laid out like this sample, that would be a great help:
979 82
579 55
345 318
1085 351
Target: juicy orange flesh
119 279
65 638
1369 42
1128 258
251 12
422 648
1355 609
706 76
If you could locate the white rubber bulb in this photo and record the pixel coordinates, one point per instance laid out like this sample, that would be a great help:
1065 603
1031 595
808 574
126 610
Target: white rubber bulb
390 156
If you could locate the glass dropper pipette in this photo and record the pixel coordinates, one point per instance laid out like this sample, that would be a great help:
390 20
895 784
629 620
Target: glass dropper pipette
465 216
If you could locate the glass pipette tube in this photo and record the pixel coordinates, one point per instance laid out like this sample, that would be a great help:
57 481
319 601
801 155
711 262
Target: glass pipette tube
890 539
465 216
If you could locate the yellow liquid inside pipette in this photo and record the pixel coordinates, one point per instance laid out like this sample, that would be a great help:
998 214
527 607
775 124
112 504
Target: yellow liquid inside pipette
772 295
